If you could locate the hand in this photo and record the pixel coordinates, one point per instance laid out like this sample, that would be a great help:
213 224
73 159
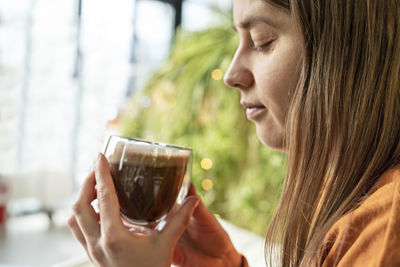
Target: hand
108 242
205 242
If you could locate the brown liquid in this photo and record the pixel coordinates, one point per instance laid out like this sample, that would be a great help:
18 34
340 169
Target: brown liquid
147 187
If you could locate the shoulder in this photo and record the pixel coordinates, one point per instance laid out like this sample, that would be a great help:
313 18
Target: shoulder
369 234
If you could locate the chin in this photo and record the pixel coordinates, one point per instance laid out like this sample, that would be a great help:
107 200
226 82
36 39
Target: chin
271 138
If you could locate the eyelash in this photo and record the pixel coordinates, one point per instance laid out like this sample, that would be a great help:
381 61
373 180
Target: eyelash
260 48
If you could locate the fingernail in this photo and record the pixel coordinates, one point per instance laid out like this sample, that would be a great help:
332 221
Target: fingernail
196 201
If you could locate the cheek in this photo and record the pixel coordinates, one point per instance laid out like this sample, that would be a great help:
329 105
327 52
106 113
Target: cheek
276 82
274 92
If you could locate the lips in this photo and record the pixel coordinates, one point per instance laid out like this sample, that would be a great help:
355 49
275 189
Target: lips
253 110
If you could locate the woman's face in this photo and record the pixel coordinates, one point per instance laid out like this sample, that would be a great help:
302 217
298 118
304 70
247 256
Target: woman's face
266 66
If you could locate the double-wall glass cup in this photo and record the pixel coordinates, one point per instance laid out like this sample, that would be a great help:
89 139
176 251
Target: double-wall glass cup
149 179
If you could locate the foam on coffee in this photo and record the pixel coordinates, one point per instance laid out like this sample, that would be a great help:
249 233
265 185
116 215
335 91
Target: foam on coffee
146 154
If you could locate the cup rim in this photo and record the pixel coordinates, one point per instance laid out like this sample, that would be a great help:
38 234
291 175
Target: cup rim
163 144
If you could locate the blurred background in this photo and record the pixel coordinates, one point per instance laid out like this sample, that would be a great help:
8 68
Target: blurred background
72 72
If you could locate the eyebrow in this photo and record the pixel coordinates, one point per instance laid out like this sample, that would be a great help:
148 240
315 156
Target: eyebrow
247 23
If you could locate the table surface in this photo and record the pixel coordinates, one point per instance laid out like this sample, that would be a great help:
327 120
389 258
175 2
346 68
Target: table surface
34 241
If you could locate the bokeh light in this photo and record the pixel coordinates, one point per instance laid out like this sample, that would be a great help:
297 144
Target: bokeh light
207 184
217 74
206 163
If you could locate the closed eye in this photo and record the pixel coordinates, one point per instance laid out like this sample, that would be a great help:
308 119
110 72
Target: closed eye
260 48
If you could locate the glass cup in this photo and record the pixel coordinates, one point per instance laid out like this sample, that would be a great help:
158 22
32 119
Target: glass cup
149 178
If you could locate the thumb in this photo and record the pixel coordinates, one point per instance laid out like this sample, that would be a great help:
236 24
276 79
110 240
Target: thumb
180 220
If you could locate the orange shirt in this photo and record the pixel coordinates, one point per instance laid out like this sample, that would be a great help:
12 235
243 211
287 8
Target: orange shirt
370 234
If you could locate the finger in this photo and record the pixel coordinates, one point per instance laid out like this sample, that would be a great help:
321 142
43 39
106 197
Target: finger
192 190
201 213
76 231
175 207
84 213
178 256
106 195
202 216
95 194
180 220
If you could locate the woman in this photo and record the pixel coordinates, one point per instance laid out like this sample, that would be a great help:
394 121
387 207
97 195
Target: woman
321 81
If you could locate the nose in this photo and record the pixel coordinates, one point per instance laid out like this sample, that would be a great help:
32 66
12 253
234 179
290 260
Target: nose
239 75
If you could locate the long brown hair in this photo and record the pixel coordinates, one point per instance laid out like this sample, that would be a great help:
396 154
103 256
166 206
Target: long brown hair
343 129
